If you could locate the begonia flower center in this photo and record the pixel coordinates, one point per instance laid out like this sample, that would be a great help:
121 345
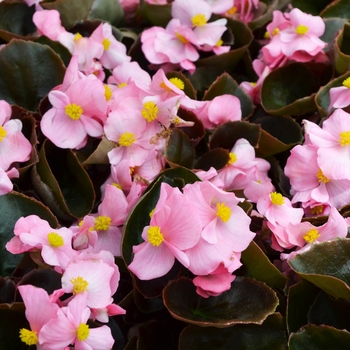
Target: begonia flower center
223 212
106 44
219 43
74 111
277 198
344 138
232 11
233 158
318 209
55 240
177 82
79 285
108 93
346 82
28 337
199 20
126 139
122 85
321 177
275 31
151 213
155 237
3 133
311 235
150 111
77 37
181 38
102 223
117 185
83 331
301 29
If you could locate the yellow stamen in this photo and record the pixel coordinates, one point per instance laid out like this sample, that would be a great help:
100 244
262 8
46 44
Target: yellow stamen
181 38
79 285
74 111
28 337
276 198
275 31
122 85
149 111
232 11
320 176
77 36
198 20
151 213
267 35
102 223
318 209
344 138
301 29
233 158
55 239
106 43
311 235
117 185
155 237
253 84
83 331
126 139
219 43
223 212
108 93
177 82
3 133
346 82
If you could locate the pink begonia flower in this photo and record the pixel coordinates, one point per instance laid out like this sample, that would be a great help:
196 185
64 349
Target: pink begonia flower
111 214
174 44
216 282
14 147
33 232
167 236
114 51
243 10
103 314
48 23
333 141
5 183
340 95
236 174
76 113
308 181
131 132
84 235
39 311
71 75
278 210
220 110
219 7
196 15
303 35
70 328
308 235
130 7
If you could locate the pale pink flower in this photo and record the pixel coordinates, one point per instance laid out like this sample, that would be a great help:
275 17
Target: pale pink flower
76 113
5 183
84 235
167 236
219 7
70 328
333 141
104 313
340 95
114 51
39 311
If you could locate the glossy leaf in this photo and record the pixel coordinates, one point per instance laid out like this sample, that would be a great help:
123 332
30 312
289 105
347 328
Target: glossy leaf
247 301
339 8
313 337
289 90
179 150
157 15
333 26
14 205
226 135
259 267
99 156
79 10
216 158
278 134
34 68
7 290
68 185
196 132
203 77
326 266
270 335
225 84
301 296
341 51
310 6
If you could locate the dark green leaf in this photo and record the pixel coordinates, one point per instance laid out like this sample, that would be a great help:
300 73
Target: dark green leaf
14 205
34 68
225 84
327 266
289 90
313 337
99 156
270 335
333 26
300 298
157 15
338 8
226 135
216 158
109 11
196 132
70 185
179 149
310 6
7 290
341 51
259 267
247 301
203 77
